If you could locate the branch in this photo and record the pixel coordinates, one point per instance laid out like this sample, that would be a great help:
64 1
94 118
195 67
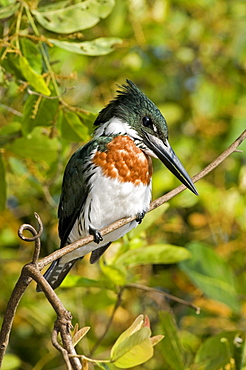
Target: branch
156 203
32 270
146 289
63 323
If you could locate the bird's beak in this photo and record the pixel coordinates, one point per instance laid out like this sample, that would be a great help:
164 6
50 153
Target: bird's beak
165 153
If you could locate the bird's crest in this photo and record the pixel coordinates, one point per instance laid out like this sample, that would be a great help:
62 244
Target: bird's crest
129 98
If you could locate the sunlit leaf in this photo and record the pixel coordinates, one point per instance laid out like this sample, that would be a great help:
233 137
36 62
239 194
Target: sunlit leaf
100 46
32 54
156 339
101 365
171 346
154 254
80 334
211 274
134 346
11 362
33 78
81 281
73 18
136 325
134 350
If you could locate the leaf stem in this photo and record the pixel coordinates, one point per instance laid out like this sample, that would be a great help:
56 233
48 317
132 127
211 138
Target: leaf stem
18 24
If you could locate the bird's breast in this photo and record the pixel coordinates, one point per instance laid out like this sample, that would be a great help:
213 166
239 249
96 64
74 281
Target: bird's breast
124 161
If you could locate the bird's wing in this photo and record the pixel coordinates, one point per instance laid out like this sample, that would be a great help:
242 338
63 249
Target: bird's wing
75 188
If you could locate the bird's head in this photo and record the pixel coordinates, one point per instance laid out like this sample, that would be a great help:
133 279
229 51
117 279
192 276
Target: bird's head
132 113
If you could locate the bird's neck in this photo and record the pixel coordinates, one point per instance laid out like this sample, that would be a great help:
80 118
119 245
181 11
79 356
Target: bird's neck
116 126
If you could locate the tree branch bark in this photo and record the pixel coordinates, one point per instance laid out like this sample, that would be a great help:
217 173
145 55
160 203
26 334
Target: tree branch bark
156 203
32 270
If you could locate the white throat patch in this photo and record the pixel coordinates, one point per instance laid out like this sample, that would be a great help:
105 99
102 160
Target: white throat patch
116 126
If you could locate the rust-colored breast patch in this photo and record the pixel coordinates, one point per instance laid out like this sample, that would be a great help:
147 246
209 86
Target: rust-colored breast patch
124 161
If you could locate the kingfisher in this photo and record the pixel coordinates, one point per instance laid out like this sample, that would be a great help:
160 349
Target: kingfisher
110 177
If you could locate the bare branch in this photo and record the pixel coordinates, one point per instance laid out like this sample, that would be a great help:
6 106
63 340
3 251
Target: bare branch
36 236
32 270
167 295
63 322
156 203
11 308
146 289
60 348
20 287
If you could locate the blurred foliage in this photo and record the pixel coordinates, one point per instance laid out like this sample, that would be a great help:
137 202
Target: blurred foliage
189 57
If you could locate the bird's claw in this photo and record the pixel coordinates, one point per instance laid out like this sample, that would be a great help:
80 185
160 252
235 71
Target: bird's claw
97 235
140 216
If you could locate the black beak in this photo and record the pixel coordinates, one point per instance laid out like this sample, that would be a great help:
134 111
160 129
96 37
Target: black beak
165 153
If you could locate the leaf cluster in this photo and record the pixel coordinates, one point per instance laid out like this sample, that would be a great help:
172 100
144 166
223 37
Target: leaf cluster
189 58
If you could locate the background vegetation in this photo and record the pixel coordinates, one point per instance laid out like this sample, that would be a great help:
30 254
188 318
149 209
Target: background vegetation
189 57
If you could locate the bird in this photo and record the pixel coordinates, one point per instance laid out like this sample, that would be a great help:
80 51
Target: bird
110 177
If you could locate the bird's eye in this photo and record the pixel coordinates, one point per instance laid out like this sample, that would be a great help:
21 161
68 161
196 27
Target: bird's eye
147 122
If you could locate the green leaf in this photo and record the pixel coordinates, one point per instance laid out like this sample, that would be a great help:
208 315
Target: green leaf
8 11
101 365
100 46
153 254
11 362
32 53
9 132
79 334
133 350
73 18
220 351
72 128
37 146
113 273
78 281
2 185
136 325
211 274
171 347
33 78
38 111
12 65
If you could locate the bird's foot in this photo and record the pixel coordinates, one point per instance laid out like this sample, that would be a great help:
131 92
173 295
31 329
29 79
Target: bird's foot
97 235
140 216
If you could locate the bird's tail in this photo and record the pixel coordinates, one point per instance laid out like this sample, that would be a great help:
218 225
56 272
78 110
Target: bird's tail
57 272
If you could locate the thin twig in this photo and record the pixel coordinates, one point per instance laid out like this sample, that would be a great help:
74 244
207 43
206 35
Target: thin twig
146 289
116 306
32 270
35 238
31 92
11 110
167 295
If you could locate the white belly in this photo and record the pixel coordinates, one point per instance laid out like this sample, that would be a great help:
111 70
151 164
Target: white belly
108 201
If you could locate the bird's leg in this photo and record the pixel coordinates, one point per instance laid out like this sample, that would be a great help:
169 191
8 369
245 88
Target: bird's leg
140 216
97 235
